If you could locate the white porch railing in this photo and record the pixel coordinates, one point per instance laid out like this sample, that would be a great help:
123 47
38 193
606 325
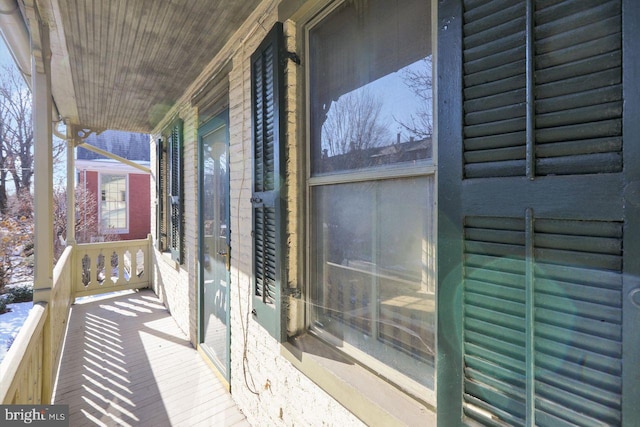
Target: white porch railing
111 266
29 369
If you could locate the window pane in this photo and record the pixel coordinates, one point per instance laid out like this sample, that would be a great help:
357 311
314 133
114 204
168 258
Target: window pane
371 86
373 271
113 209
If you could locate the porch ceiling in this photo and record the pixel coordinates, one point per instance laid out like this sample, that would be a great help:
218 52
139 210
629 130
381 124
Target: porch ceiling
121 64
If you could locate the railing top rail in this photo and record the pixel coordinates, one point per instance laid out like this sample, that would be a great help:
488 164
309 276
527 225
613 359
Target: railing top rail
25 340
61 264
114 244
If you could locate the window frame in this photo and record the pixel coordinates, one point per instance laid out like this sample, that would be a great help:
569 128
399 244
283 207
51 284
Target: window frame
422 168
103 230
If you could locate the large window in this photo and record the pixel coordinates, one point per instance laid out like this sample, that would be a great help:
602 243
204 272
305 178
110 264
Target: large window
113 203
371 185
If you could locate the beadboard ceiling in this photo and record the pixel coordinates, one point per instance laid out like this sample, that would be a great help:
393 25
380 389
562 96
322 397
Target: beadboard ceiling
121 64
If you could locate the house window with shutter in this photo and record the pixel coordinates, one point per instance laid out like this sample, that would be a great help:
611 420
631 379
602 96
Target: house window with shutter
170 191
371 186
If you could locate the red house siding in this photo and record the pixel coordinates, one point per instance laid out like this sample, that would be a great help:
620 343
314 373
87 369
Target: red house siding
139 207
139 201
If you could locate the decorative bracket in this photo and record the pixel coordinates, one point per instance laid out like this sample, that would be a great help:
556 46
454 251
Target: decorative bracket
81 133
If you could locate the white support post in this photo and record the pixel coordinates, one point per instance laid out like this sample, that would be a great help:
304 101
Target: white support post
71 194
43 164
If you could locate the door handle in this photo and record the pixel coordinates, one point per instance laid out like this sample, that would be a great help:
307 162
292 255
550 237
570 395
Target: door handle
227 256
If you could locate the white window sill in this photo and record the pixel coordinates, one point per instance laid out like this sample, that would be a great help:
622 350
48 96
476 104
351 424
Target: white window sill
166 256
367 396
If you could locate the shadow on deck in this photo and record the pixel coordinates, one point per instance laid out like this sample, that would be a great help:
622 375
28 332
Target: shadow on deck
126 363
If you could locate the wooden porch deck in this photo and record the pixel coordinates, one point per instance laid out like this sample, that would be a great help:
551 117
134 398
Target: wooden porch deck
126 363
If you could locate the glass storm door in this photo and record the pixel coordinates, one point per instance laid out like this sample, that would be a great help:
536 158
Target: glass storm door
214 241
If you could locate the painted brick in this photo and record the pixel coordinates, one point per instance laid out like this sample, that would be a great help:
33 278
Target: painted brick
268 389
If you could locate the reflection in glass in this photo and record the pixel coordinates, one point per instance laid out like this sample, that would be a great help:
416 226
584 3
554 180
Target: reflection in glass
215 249
374 271
371 86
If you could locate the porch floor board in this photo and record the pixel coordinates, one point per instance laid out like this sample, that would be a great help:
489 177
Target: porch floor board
126 363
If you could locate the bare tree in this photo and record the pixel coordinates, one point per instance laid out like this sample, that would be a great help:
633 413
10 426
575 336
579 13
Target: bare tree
15 104
419 80
16 135
354 123
87 225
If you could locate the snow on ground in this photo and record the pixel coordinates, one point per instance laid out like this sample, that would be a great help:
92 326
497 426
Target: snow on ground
11 322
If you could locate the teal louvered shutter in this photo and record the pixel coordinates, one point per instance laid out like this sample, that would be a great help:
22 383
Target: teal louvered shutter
175 183
267 92
539 293
161 231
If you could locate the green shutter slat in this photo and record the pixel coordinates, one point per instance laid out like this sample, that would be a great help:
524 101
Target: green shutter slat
579 340
594 244
602 395
500 154
495 283
507 408
588 114
498 236
514 351
576 53
568 38
585 317
609 280
606 128
585 146
496 114
579 76
566 10
579 259
489 15
594 415
494 249
580 357
494 87
582 164
544 419
513 139
507 125
513 380
492 263
481 96
490 356
497 418
579 291
500 380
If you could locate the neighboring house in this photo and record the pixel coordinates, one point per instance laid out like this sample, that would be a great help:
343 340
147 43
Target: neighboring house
122 192
482 268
